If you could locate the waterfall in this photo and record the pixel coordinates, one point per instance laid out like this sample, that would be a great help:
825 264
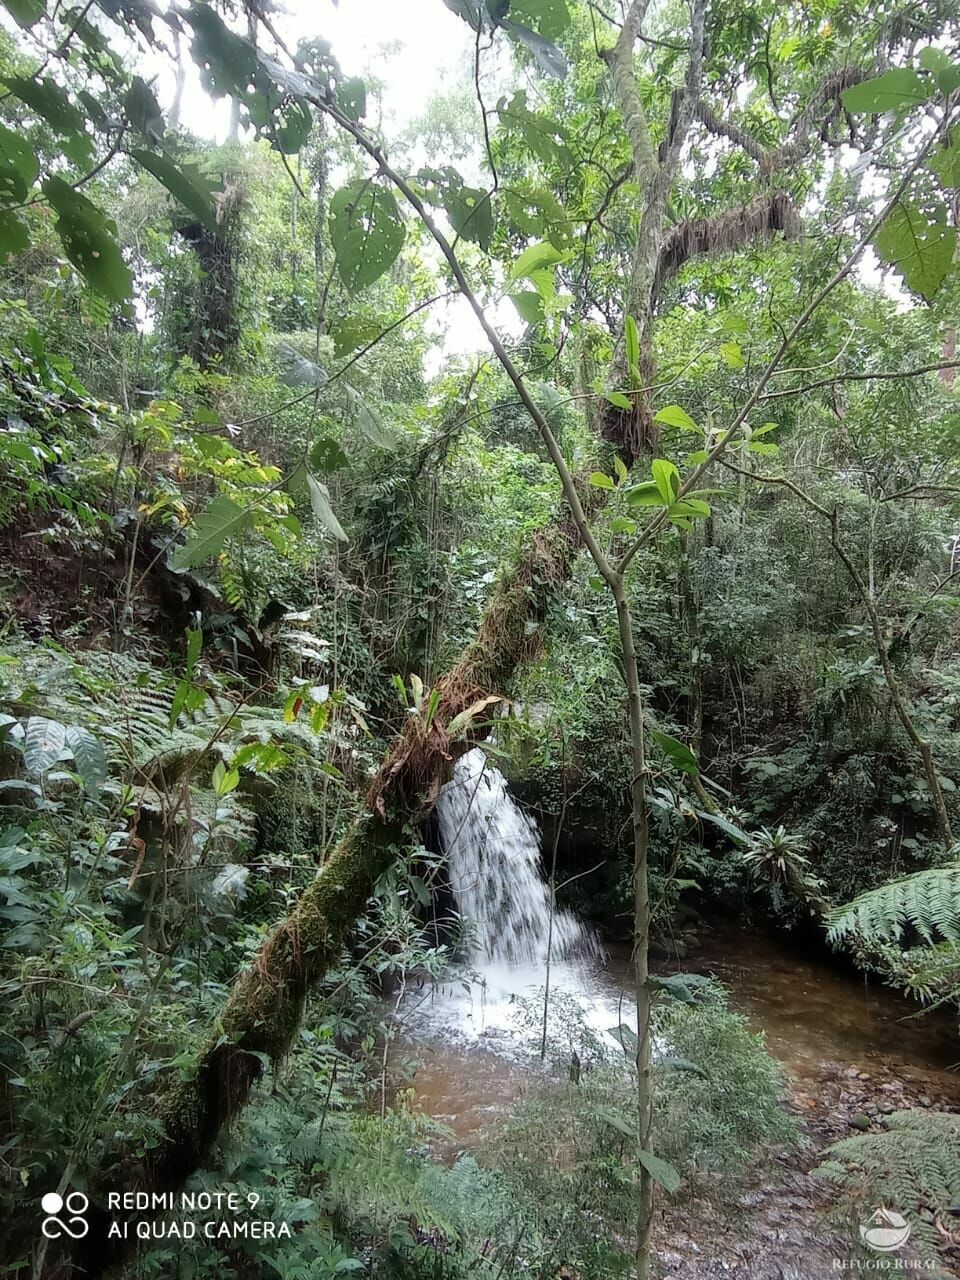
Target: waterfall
493 859
493 852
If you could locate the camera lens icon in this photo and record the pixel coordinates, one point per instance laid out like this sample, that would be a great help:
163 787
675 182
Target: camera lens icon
55 1227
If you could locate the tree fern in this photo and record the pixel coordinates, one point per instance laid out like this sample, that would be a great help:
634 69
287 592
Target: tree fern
927 901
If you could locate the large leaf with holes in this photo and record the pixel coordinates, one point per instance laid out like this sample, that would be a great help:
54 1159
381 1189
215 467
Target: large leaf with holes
88 240
367 232
550 17
228 64
14 236
25 12
51 102
18 166
919 245
221 520
185 183
470 211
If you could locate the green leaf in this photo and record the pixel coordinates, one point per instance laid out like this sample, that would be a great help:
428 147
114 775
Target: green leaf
228 64
679 986
529 305
368 420
666 477
471 11
298 371
186 184
14 236
194 645
545 53
86 235
623 1124
600 480
690 507
681 1064
678 755
899 87
626 1037
352 332
352 98
944 70
143 110
44 742
18 166
725 825
25 12
646 494
290 127
320 503
622 524
618 399
765 447
366 231
471 214
732 354
919 247
221 520
945 162
50 101
550 17
632 339
89 757
672 415
665 1175
533 258
326 456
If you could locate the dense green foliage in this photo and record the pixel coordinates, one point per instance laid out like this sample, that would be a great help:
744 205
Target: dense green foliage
261 529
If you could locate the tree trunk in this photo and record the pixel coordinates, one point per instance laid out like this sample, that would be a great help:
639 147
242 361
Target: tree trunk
263 1011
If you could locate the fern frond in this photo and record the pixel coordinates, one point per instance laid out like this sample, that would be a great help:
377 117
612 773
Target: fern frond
914 1167
927 901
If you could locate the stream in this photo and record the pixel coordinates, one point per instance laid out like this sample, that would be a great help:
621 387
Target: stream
851 1050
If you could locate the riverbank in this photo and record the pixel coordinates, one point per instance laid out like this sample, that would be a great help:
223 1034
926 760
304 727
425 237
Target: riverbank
851 1052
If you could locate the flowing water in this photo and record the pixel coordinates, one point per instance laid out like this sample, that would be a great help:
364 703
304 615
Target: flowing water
476 1033
493 859
849 1047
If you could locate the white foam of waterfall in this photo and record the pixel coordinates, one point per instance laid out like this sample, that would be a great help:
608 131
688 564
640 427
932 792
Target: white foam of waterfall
493 853
494 867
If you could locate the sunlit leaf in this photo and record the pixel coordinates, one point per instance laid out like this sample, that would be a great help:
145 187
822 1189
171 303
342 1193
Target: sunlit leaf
919 246
899 87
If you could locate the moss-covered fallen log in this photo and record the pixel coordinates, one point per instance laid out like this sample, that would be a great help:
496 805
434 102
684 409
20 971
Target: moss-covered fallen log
263 1011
